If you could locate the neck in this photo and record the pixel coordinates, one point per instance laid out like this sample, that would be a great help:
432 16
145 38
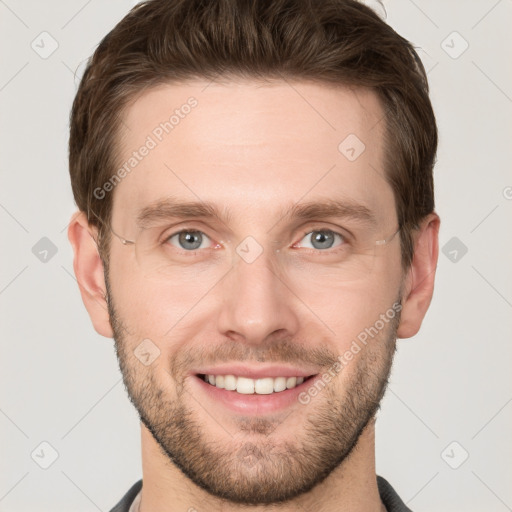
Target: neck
351 487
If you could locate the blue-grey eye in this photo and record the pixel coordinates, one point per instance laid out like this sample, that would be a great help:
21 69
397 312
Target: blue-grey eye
189 240
321 239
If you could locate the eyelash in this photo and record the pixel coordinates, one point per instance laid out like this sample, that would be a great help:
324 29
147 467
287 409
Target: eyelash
304 233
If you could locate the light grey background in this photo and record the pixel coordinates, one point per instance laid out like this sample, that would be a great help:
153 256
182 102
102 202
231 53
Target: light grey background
60 383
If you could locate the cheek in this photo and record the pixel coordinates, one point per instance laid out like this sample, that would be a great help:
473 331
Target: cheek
360 316
347 308
157 307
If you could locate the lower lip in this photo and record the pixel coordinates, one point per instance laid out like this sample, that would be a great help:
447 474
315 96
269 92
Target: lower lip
253 404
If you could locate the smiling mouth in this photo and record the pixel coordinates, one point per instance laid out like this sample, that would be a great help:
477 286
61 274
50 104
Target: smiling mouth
247 386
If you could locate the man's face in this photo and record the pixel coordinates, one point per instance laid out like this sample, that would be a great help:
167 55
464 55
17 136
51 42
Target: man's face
254 291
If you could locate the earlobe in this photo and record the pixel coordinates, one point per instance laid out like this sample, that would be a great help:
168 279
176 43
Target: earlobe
88 269
419 283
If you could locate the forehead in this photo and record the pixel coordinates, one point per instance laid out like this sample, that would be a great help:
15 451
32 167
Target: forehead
252 147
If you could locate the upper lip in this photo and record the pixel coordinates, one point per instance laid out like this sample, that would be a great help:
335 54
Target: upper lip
256 371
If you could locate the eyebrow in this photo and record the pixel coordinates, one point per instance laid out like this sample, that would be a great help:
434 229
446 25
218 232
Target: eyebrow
164 209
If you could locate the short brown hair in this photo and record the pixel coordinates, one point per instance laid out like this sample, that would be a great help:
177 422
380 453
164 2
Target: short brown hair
329 41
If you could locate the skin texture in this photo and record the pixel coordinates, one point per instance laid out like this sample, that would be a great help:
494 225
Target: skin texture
256 149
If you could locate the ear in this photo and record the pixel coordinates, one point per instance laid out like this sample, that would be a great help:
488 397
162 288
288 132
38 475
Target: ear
88 269
418 285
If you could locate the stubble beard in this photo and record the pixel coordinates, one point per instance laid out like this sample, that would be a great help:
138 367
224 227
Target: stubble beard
252 467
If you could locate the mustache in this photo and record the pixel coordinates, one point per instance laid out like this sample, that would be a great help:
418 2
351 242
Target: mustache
285 351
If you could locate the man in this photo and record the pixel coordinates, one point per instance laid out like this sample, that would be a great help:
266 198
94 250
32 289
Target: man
256 228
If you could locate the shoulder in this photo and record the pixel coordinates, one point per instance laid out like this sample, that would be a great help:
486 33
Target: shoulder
389 497
127 499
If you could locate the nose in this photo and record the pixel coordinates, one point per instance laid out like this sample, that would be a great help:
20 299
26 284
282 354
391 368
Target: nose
257 303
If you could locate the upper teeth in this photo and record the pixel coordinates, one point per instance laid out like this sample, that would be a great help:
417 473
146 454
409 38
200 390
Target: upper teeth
247 386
